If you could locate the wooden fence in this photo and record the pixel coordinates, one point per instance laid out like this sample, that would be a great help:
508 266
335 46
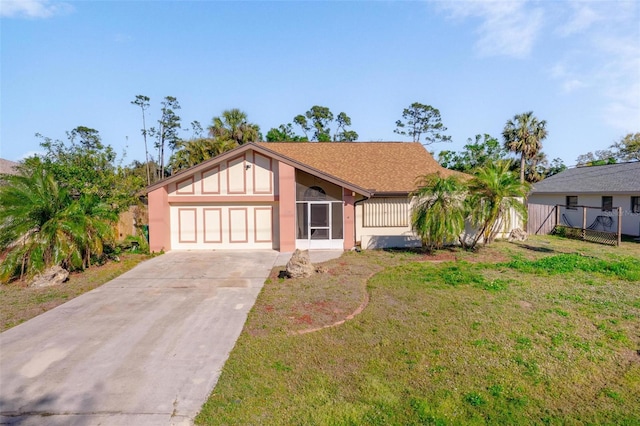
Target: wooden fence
604 227
541 220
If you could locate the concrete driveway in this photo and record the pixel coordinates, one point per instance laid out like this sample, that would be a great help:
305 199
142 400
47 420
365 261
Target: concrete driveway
144 349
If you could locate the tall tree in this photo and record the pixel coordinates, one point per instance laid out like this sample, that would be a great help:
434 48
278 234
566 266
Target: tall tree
232 125
167 135
196 129
422 120
476 153
138 169
85 165
524 135
599 158
195 151
628 147
284 133
316 126
320 118
342 134
557 166
143 102
301 121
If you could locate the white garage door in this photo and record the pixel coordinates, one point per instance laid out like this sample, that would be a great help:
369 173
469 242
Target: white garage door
221 227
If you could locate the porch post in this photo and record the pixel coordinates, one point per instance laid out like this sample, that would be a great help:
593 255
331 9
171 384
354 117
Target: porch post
287 219
349 214
619 226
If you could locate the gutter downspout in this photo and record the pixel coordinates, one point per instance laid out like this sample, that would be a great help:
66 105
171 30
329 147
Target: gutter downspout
355 225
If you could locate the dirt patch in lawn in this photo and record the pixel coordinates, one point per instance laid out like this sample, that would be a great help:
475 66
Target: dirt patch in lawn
488 254
325 299
440 256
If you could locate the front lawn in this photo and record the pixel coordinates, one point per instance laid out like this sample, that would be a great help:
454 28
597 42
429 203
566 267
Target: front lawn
546 331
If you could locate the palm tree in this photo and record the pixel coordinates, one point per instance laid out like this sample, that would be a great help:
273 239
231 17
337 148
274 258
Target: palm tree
190 153
493 193
233 125
438 216
524 135
536 167
94 221
42 225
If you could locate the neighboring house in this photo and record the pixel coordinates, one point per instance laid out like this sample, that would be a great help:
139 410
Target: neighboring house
8 167
285 196
605 187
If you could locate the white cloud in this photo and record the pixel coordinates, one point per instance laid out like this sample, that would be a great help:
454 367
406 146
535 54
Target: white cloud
584 17
592 45
33 8
619 75
31 154
572 84
507 28
570 80
609 57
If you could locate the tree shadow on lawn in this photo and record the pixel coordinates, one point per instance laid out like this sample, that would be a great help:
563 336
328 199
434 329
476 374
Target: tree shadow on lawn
538 249
482 254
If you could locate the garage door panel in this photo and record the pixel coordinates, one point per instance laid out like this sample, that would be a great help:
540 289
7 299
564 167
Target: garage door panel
262 224
238 225
212 228
187 225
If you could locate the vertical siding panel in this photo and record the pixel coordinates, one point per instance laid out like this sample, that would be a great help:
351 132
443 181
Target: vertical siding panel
386 212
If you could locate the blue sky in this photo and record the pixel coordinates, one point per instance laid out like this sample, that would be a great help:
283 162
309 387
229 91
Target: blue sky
576 64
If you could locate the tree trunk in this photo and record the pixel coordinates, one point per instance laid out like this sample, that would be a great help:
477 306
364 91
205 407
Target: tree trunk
522 168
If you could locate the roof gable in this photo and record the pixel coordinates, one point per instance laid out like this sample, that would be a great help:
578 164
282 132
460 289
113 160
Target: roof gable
8 167
610 178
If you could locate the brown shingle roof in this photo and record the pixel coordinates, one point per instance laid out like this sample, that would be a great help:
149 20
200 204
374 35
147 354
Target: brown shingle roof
8 167
378 166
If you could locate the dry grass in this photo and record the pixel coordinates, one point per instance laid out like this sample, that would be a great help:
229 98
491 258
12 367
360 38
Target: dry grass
21 303
320 300
469 341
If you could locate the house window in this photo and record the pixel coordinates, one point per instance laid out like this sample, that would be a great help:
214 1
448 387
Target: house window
315 193
386 212
572 202
607 203
635 204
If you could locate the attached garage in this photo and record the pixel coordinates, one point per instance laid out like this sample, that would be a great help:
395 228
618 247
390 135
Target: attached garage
228 205
222 226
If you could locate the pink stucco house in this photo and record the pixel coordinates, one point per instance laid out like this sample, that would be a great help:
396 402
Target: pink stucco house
284 196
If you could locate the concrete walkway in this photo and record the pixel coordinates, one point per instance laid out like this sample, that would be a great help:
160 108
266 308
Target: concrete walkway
144 349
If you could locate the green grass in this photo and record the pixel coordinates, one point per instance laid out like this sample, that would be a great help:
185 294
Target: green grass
511 335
